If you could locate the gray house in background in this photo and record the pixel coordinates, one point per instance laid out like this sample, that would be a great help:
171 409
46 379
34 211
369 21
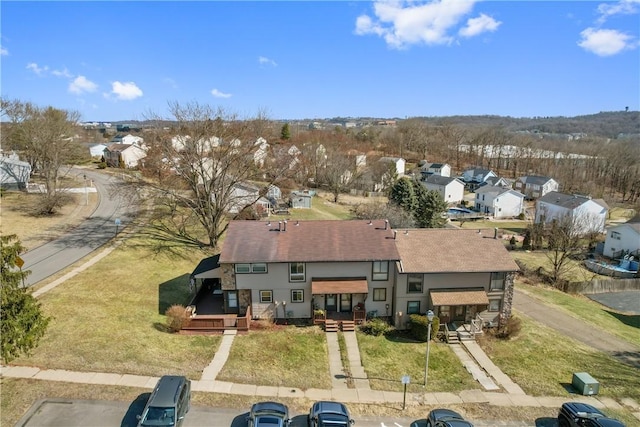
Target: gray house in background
301 199
14 173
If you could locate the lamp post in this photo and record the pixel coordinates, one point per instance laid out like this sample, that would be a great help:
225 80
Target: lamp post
86 191
426 365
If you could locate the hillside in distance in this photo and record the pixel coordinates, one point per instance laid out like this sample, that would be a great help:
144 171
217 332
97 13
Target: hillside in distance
613 124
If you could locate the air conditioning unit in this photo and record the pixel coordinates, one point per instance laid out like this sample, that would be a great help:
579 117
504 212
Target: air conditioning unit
585 384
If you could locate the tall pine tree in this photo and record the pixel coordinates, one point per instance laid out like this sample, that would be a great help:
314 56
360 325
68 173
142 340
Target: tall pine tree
402 194
431 208
21 319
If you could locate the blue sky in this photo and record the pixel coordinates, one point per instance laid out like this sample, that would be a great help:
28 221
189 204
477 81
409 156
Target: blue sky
300 59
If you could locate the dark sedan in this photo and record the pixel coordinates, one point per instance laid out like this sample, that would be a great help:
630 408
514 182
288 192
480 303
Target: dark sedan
329 414
446 418
269 414
578 414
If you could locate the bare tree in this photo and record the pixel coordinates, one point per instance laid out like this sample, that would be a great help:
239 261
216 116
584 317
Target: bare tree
340 172
196 175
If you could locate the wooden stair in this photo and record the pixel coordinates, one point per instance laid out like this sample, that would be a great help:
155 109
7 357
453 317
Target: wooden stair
347 325
452 337
331 326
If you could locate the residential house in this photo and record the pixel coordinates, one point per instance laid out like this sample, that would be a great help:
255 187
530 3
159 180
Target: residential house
497 181
124 155
246 194
500 202
451 189
14 173
97 150
261 152
462 275
288 156
441 169
586 214
534 186
398 163
290 269
623 239
475 177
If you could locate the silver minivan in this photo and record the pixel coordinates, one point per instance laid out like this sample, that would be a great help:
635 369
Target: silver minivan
168 404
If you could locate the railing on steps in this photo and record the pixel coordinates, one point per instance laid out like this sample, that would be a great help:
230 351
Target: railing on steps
476 326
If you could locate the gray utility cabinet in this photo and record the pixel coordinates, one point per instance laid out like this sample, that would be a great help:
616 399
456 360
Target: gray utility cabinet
585 384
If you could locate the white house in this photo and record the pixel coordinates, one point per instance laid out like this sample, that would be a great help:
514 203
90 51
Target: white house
97 150
587 214
132 139
14 173
123 155
398 162
245 194
451 189
623 239
261 152
534 186
474 177
499 201
442 169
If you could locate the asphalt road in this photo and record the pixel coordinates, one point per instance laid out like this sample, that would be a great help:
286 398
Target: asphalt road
92 233
97 413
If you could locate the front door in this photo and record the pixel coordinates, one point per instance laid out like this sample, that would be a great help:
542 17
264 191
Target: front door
345 302
458 313
330 302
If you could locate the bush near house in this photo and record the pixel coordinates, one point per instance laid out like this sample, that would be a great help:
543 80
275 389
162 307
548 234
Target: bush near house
376 327
419 326
176 317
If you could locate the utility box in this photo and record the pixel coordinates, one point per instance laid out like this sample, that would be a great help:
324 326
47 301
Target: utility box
585 384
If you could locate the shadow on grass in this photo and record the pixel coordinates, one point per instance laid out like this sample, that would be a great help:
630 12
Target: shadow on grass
137 406
174 291
628 319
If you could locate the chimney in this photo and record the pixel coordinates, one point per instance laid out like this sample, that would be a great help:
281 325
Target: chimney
284 225
279 225
386 224
495 232
395 233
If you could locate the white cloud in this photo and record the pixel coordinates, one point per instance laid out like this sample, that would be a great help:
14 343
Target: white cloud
125 91
623 7
263 60
605 42
404 22
81 85
37 69
3 51
479 25
216 93
62 73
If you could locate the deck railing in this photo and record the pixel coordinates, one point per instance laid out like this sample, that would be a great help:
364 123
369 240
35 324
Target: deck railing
218 322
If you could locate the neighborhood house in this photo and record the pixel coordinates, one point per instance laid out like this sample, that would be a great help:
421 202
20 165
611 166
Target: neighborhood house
344 269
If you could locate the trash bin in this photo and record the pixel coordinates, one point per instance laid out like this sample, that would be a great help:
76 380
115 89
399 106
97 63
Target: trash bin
585 384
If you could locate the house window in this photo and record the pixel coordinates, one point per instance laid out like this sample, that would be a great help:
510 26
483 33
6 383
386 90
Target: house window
380 270
497 281
232 299
615 235
296 272
494 305
414 283
379 294
243 268
259 268
266 296
413 307
297 295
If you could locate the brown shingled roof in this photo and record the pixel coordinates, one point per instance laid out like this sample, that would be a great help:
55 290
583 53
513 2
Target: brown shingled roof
470 297
308 241
439 250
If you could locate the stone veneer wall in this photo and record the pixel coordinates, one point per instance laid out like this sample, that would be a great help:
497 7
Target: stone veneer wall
507 304
227 277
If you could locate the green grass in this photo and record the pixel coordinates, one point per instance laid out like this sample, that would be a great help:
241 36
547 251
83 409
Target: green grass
542 362
279 356
387 359
575 271
110 318
625 326
321 209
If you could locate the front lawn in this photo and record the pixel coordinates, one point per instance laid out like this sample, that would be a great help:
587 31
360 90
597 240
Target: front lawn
542 362
387 359
110 318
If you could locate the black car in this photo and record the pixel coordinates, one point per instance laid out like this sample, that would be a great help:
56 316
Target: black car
168 404
577 414
329 414
446 418
269 414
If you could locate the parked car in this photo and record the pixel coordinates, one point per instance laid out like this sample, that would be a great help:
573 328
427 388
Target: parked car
577 414
326 413
269 414
446 418
168 404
